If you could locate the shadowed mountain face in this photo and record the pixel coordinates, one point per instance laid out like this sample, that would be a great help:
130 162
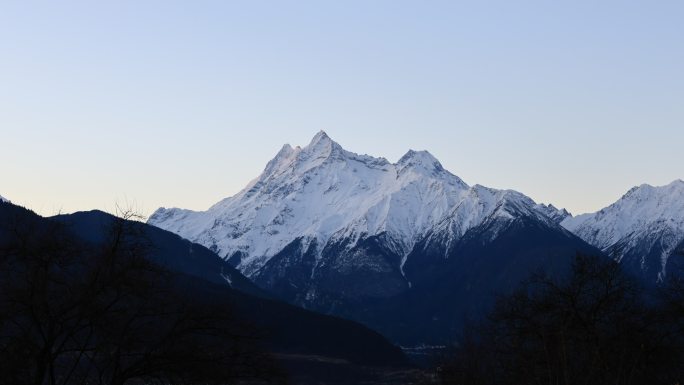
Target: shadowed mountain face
455 284
451 283
292 334
407 247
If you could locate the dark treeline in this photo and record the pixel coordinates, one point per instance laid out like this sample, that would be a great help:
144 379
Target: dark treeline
598 326
79 313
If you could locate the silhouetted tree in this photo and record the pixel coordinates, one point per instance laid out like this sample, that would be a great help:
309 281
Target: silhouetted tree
596 327
74 312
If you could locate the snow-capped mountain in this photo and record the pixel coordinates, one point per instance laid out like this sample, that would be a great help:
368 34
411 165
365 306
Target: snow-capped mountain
324 193
642 230
331 230
4 199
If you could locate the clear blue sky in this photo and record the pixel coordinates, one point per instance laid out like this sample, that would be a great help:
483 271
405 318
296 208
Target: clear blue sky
163 103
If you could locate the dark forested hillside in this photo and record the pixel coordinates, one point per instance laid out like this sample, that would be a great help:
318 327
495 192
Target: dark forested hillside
92 298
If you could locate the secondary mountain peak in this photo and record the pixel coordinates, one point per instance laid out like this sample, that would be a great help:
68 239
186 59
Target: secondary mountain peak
422 164
282 160
420 158
675 187
642 229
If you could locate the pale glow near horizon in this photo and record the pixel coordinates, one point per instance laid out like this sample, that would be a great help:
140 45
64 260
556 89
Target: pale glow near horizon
178 105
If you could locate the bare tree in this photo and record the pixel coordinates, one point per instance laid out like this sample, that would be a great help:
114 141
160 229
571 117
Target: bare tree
596 327
78 312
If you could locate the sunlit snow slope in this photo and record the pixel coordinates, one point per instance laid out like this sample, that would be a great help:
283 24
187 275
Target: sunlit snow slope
322 193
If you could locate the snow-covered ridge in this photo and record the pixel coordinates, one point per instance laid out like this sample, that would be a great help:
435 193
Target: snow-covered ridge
4 200
639 208
324 193
644 211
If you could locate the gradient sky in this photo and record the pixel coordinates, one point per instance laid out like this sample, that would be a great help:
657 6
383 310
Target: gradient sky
163 103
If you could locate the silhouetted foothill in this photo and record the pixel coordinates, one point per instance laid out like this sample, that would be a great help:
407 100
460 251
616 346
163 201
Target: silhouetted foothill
103 313
94 298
